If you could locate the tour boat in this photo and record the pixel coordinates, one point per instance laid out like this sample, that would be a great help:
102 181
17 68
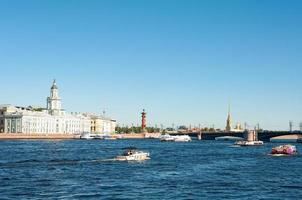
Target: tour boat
182 138
249 143
132 154
251 139
284 150
176 138
167 138
228 138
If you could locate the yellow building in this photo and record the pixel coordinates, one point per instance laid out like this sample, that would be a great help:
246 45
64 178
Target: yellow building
102 125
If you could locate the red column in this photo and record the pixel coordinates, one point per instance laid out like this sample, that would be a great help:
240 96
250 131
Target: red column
144 121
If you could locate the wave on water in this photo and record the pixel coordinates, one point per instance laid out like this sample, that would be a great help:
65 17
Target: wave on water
51 162
292 186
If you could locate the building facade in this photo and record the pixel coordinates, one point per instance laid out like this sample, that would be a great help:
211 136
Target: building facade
229 128
50 120
102 125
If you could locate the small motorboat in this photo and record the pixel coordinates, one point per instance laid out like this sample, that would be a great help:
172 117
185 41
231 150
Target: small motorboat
132 154
284 150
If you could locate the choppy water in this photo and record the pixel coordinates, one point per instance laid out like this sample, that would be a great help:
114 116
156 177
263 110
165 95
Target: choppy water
77 169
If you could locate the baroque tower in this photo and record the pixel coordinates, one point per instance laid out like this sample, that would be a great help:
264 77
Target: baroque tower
228 127
54 105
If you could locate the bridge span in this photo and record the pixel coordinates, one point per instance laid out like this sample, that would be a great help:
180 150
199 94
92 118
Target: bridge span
262 135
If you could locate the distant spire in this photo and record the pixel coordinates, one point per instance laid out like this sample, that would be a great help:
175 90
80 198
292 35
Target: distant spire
54 84
229 119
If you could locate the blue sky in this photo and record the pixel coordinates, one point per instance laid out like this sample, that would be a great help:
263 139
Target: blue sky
182 61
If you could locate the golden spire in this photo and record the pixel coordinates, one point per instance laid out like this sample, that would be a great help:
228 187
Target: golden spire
229 120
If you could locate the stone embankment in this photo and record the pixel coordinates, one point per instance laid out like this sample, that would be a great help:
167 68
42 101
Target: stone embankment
22 136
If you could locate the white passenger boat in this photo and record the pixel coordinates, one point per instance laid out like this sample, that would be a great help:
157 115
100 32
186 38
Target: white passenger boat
182 138
249 143
132 154
176 138
228 138
251 139
167 138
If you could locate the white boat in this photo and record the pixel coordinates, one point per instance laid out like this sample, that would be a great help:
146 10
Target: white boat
132 154
249 143
228 138
251 139
176 138
86 136
182 138
167 138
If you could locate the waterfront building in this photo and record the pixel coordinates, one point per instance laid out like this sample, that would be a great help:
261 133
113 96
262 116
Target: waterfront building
229 128
101 124
238 128
50 120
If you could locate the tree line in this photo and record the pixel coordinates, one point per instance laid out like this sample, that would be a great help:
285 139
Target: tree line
127 130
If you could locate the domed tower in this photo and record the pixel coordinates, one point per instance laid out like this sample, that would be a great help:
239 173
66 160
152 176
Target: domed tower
54 105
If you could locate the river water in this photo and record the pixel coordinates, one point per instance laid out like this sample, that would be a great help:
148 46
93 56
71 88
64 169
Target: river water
78 169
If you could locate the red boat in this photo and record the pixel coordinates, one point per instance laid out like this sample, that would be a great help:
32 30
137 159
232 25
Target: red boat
284 150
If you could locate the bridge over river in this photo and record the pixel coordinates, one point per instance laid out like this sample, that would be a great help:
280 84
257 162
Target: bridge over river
262 135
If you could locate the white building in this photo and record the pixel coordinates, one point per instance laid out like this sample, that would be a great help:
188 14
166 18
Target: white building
51 120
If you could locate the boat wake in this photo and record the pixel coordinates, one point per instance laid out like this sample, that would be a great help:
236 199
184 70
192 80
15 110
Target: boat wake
281 155
277 155
235 146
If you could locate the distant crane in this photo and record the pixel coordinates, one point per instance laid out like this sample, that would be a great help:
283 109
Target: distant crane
245 126
291 124
301 126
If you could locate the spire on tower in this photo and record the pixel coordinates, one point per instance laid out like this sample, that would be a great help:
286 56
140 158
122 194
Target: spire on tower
229 120
54 85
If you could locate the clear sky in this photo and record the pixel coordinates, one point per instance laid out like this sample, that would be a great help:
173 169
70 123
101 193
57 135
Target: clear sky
183 61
